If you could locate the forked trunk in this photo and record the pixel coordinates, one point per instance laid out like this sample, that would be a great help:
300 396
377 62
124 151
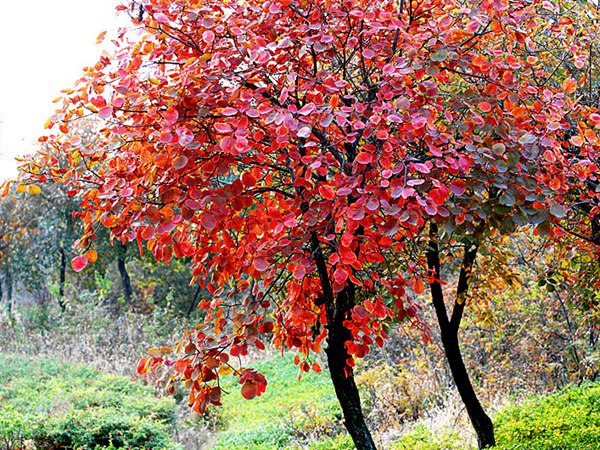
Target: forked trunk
449 326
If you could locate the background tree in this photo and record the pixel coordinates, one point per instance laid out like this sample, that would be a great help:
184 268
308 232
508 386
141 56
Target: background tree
318 162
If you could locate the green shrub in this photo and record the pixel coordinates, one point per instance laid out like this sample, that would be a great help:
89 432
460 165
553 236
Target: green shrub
60 406
339 442
422 438
562 421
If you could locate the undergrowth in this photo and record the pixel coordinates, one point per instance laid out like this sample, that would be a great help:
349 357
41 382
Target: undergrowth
54 405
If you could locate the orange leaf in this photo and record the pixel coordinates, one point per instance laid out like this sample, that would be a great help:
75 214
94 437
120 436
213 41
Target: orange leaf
569 85
91 255
418 286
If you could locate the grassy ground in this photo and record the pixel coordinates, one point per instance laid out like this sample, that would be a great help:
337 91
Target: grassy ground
47 404
290 413
51 405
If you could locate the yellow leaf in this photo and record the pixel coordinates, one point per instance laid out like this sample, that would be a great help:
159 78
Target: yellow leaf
225 370
21 188
33 189
154 352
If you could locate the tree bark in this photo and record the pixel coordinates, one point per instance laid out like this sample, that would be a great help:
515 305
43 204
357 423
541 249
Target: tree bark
193 302
125 280
337 309
9 290
62 279
2 293
484 428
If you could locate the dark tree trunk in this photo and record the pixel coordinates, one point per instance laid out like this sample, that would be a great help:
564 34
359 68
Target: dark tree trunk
125 280
193 302
484 428
338 306
9 290
62 279
2 293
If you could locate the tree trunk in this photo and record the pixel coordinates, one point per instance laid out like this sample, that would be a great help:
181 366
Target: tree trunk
342 375
2 293
9 290
337 308
193 302
62 279
484 428
125 280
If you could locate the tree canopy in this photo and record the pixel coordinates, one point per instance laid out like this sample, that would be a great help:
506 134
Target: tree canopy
305 155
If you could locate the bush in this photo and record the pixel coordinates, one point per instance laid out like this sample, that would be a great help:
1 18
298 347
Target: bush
566 420
54 405
422 438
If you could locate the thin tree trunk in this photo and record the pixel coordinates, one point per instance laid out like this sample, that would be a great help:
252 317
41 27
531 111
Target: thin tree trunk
62 279
193 302
2 293
125 280
9 290
338 307
484 428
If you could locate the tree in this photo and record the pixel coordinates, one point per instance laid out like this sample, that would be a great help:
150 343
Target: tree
315 159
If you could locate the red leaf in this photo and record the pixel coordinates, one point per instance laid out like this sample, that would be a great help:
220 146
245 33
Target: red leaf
229 111
142 366
223 127
248 179
437 196
171 115
249 390
458 187
209 221
327 192
260 264
340 275
348 256
364 158
78 263
105 112
485 107
181 365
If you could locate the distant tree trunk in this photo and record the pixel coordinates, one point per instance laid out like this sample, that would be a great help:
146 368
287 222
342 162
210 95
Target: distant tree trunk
2 293
62 279
193 302
338 307
9 290
125 280
484 428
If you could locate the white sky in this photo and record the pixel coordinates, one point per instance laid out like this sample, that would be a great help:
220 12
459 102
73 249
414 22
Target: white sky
44 44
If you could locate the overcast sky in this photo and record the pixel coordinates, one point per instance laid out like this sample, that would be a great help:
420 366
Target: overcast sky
44 44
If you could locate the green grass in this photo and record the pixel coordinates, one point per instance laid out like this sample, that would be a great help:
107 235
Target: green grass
290 412
566 420
422 438
62 406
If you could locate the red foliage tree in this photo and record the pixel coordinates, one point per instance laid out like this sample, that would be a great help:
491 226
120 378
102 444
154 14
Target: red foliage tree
313 157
